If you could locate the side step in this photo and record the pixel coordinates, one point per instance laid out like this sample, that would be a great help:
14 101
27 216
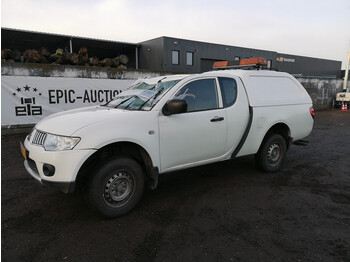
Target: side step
300 143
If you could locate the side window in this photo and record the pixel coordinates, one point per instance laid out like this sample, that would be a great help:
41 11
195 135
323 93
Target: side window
199 95
228 88
175 54
189 58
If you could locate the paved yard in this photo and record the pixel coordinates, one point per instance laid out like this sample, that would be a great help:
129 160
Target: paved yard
228 211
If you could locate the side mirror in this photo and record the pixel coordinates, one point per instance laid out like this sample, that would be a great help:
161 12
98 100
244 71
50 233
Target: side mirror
174 106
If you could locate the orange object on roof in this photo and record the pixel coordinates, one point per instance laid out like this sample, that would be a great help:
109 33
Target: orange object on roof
253 61
220 64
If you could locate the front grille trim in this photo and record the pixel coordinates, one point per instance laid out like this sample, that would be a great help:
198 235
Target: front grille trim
39 138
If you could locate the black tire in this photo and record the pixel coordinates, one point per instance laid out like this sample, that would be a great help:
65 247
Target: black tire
116 187
271 153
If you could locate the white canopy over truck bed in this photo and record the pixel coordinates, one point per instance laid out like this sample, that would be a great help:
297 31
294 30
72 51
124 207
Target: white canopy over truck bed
270 88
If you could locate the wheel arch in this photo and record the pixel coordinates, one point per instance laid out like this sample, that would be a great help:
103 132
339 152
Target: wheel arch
279 128
116 149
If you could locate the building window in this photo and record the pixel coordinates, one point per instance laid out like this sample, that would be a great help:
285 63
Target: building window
237 58
269 63
175 55
189 58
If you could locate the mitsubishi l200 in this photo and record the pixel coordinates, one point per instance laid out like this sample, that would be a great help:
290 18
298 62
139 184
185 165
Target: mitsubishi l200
174 123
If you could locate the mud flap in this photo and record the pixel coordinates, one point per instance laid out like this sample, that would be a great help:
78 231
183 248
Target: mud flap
154 178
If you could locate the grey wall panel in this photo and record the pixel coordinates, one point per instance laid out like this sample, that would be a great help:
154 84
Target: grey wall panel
151 54
207 51
159 58
307 66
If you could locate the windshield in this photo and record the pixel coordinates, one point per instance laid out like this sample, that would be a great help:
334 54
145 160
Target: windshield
146 98
141 86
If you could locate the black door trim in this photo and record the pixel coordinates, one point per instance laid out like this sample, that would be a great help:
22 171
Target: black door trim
245 134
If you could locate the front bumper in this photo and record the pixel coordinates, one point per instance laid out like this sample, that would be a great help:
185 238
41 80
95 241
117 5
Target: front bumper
67 165
65 187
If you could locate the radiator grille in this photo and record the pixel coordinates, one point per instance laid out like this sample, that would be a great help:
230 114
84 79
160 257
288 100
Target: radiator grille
39 138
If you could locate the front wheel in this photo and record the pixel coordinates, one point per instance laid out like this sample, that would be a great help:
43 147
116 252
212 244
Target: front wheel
116 187
271 153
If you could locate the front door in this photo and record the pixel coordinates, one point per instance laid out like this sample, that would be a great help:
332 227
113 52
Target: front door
197 135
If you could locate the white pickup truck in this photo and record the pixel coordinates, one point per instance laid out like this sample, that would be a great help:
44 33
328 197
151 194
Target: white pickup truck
175 123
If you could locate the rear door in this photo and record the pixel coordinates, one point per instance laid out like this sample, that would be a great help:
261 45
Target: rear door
236 105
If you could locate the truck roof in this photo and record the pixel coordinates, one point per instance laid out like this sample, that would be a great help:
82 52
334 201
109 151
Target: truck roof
165 78
247 73
267 88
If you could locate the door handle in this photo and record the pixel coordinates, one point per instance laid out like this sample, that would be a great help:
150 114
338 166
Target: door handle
216 119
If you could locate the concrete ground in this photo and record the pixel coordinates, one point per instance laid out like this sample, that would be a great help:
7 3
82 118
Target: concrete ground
227 211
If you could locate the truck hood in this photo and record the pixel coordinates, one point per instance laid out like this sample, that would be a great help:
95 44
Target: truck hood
68 122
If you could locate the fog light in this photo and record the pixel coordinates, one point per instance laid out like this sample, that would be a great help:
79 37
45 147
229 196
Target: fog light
49 170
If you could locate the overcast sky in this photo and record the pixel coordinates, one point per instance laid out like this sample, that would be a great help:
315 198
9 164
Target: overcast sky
316 28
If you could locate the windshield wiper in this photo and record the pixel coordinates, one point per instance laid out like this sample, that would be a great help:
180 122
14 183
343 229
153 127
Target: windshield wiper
124 101
156 94
130 103
154 97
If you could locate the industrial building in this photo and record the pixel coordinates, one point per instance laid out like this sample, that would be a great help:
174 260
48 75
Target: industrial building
180 55
170 54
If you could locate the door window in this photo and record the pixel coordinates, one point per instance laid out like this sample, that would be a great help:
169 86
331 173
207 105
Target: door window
228 89
199 95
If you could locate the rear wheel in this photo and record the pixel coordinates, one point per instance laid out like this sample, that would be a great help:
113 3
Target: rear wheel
116 187
271 153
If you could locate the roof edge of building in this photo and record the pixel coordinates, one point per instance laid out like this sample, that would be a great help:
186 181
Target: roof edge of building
68 36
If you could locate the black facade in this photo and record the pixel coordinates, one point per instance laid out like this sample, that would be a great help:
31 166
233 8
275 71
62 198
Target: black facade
342 74
169 54
156 54
308 66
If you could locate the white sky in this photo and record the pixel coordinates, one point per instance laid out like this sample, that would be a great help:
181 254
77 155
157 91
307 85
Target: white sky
316 28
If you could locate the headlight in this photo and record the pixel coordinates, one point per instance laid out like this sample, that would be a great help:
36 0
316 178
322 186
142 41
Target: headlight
59 143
